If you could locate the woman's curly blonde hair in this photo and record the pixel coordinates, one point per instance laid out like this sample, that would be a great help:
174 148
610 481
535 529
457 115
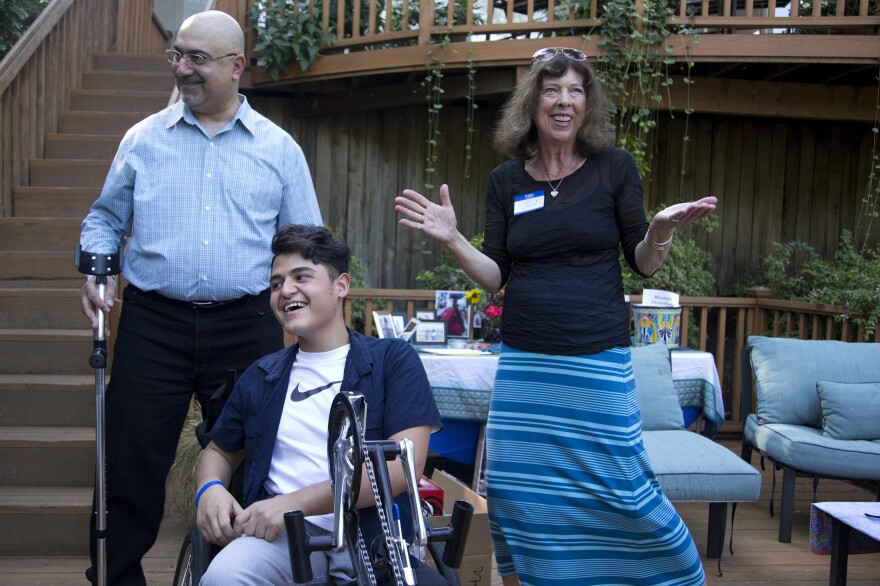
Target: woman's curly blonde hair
516 135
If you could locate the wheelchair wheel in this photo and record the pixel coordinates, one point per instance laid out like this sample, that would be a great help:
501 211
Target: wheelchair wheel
193 561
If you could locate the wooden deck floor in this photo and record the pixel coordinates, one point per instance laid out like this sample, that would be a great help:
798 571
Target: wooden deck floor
758 557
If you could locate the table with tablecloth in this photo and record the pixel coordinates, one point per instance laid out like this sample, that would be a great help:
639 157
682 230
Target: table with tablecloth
462 385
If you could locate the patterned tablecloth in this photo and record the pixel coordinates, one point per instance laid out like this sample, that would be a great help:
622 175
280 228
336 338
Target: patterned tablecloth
462 385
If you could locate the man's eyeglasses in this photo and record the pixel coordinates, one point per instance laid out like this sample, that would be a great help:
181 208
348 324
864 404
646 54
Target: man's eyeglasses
192 59
548 53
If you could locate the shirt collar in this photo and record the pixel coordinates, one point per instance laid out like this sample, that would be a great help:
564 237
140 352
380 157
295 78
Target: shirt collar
180 111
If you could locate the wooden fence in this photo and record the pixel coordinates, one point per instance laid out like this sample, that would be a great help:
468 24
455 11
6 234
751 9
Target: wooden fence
720 325
46 64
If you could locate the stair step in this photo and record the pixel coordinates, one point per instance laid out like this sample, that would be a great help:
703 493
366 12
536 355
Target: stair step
53 202
118 100
58 234
115 123
44 351
47 456
81 146
131 80
69 173
24 399
53 521
27 307
128 62
52 269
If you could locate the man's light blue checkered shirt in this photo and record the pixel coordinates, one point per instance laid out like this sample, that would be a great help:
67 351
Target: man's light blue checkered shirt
201 211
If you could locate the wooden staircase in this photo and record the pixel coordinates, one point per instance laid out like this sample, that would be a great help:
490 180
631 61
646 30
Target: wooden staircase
47 389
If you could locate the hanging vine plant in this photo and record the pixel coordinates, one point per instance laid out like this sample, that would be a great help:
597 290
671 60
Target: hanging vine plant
433 86
469 120
634 69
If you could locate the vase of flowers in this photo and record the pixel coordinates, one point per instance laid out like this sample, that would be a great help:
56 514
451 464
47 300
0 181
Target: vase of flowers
489 308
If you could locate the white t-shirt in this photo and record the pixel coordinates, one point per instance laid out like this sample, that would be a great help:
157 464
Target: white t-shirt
299 458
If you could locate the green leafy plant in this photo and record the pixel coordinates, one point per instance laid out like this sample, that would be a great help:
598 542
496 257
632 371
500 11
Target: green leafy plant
15 18
357 270
447 275
687 269
795 271
288 32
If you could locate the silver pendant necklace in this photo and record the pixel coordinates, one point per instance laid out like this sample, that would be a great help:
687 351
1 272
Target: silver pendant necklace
554 191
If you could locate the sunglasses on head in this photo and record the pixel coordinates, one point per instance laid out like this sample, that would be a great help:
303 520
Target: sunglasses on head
548 53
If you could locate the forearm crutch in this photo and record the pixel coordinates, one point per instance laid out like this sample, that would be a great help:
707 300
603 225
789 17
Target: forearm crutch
99 266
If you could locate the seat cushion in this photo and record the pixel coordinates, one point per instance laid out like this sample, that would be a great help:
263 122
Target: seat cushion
786 372
691 467
850 411
806 449
658 401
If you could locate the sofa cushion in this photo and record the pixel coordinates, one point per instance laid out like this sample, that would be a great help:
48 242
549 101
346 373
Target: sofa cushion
658 401
850 411
805 448
786 372
691 467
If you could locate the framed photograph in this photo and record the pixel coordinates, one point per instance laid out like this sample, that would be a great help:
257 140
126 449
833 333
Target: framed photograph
452 307
384 324
431 332
399 319
409 330
425 314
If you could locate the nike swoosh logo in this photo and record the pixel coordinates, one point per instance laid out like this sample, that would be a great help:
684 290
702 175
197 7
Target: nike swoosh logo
297 396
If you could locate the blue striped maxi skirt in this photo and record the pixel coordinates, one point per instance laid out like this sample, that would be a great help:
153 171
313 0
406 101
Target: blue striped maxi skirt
572 497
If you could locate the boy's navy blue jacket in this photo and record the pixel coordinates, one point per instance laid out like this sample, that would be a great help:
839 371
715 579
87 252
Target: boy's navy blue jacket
387 372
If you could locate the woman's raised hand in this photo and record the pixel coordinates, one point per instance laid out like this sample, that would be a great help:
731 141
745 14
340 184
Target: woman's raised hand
682 214
417 211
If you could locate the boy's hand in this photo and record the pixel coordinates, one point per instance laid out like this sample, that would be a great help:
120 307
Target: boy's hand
217 509
264 519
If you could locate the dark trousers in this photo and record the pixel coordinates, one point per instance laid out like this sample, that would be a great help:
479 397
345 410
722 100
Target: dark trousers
165 352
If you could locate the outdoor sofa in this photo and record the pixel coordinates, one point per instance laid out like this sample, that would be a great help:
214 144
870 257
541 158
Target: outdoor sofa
817 412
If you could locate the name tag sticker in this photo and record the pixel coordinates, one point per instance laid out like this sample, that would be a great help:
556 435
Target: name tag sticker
528 202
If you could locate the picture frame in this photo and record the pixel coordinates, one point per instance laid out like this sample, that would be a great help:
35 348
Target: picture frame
431 333
384 324
452 307
400 320
425 315
409 330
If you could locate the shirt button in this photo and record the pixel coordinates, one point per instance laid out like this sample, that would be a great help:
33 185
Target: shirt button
207 208
205 242
204 277
209 175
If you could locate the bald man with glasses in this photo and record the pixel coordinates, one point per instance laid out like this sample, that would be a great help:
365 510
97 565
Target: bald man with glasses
196 192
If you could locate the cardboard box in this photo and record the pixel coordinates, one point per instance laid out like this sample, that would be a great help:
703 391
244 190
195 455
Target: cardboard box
431 494
476 566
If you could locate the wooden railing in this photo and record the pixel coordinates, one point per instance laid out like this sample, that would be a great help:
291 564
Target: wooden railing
39 72
720 325
369 25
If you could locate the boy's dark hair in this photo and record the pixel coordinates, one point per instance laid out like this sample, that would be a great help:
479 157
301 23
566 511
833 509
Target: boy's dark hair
314 243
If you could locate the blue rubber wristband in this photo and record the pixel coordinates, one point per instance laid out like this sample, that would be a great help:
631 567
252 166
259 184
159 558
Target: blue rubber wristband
204 488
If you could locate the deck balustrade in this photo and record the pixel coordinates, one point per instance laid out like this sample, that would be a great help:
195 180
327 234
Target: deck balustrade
379 24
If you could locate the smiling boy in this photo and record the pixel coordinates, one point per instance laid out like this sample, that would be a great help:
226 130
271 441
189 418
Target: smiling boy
275 421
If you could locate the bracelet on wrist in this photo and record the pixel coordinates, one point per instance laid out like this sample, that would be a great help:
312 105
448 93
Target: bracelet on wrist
205 487
658 245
